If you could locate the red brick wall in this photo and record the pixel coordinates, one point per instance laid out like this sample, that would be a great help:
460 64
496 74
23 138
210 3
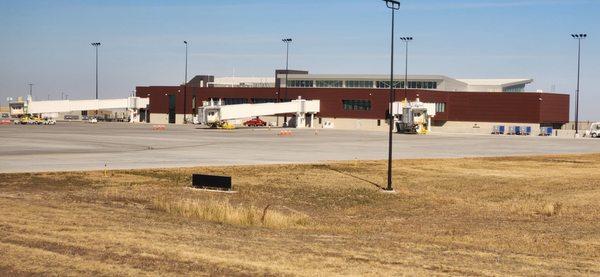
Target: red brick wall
460 106
554 108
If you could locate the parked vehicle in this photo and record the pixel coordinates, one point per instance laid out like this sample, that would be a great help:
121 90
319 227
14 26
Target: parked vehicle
594 130
92 120
255 122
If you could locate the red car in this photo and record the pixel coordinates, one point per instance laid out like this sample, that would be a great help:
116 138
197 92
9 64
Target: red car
255 122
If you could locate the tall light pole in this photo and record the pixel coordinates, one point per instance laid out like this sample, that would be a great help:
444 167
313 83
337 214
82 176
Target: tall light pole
96 45
406 41
393 5
287 42
31 90
185 84
578 37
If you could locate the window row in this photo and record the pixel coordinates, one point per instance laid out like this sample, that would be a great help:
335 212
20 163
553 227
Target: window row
330 84
357 105
234 101
263 100
359 84
411 84
514 89
300 83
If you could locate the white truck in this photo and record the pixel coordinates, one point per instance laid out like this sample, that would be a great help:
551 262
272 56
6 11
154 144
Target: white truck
594 130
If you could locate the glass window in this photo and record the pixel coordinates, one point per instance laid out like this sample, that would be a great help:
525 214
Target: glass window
383 84
329 84
359 84
234 101
357 105
520 88
263 100
300 83
440 107
386 84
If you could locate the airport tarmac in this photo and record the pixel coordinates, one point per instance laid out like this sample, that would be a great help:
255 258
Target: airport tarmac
82 146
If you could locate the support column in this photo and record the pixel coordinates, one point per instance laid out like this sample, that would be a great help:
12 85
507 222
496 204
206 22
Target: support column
428 124
300 120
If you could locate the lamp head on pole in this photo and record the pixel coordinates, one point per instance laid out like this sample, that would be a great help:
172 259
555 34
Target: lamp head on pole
392 4
96 44
407 39
579 36
287 40
185 42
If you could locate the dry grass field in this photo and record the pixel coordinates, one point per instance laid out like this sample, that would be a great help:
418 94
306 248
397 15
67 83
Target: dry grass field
484 216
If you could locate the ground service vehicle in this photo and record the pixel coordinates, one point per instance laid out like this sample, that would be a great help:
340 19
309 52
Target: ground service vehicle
24 120
255 122
227 126
36 120
594 130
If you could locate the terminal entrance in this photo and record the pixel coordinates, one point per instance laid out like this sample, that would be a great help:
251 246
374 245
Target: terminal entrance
172 117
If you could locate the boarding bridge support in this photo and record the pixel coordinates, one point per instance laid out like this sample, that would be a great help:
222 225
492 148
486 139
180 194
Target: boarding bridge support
413 117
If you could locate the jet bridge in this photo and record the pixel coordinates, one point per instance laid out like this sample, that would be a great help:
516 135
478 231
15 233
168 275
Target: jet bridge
212 113
131 104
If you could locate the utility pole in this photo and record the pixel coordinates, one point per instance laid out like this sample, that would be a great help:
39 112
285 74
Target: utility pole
287 42
96 45
406 41
393 5
578 37
185 84
31 90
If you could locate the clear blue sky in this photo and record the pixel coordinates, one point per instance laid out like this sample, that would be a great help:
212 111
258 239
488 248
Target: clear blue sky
47 42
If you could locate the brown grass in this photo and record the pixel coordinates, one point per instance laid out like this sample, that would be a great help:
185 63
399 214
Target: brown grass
224 212
484 216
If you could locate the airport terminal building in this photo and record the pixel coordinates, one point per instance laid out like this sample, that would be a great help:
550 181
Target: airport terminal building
361 101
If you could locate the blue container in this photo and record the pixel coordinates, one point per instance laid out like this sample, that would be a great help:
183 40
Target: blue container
501 129
518 130
528 130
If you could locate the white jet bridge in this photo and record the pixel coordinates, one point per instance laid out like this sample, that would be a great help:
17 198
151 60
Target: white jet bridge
131 104
215 113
